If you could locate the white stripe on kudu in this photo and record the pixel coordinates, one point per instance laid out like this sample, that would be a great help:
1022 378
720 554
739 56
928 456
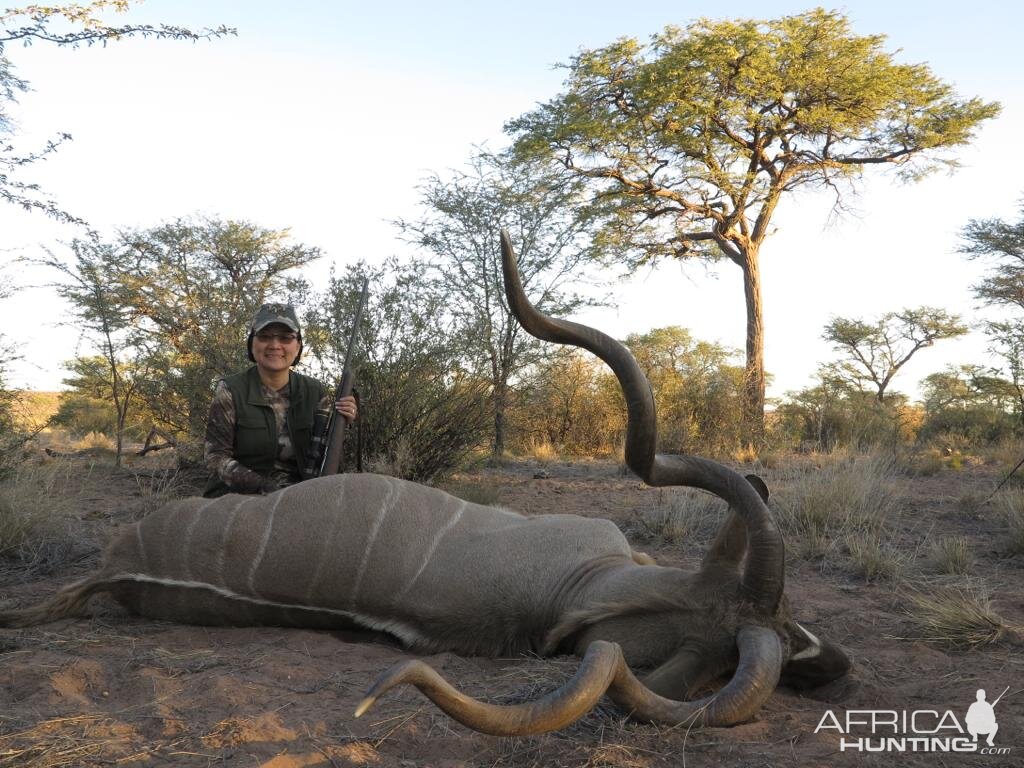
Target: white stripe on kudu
328 545
267 530
186 544
402 631
228 522
433 547
390 494
143 561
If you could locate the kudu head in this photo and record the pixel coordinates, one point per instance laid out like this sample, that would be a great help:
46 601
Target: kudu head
749 631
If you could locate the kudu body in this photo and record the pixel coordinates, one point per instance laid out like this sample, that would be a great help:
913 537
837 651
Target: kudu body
439 573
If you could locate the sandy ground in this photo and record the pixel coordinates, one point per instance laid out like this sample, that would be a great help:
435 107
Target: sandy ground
118 690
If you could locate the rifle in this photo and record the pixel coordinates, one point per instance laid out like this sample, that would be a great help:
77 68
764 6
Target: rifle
1000 697
328 427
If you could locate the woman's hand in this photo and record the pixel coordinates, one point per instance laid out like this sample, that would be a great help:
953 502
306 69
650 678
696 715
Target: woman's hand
346 406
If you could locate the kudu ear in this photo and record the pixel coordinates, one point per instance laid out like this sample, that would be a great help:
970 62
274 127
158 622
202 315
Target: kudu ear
760 486
730 544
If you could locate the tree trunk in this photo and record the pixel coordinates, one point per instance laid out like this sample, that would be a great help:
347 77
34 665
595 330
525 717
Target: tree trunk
753 401
500 401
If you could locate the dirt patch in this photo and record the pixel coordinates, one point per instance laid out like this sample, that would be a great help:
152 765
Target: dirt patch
118 690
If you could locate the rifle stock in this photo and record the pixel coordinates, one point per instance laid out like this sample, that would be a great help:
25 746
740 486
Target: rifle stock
338 425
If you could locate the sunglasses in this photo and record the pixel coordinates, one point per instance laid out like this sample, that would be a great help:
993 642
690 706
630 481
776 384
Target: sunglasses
284 338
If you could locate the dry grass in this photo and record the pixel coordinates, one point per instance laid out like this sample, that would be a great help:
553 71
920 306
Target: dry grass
54 744
158 488
541 450
681 514
818 509
34 514
1005 454
958 616
950 555
398 464
95 442
1009 506
873 559
475 492
746 454
924 464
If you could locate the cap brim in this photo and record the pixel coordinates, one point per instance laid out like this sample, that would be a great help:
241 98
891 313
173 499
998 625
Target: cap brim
275 321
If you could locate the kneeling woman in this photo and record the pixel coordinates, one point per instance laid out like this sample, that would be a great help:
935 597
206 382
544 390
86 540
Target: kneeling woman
259 433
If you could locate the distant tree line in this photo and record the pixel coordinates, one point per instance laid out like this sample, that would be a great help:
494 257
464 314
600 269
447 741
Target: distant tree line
681 148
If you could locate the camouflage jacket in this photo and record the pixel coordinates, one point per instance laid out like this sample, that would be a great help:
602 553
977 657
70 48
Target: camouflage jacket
256 437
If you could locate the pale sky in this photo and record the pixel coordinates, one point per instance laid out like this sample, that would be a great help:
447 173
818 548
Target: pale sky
323 117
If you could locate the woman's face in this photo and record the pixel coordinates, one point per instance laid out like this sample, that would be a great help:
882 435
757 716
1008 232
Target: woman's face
275 347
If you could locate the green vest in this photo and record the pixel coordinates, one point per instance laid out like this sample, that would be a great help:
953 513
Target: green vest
256 428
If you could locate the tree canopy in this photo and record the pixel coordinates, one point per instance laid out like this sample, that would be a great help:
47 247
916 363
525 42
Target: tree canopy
1000 243
875 352
462 215
689 142
172 304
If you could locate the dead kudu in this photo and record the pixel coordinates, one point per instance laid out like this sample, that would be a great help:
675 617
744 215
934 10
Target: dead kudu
442 574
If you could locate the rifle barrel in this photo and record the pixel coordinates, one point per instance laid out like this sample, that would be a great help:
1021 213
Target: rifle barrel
336 430
1001 695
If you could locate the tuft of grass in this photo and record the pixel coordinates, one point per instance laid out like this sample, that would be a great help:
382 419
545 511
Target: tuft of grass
680 514
969 501
542 451
1009 506
951 555
962 617
34 513
818 509
872 559
157 489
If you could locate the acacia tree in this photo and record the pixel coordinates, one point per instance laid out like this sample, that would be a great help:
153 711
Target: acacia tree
182 295
459 228
91 283
69 26
875 352
1001 243
689 143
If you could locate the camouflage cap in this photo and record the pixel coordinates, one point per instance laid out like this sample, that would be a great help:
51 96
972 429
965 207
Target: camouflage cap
275 313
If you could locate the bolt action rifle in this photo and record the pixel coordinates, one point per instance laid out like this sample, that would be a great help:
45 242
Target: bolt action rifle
328 425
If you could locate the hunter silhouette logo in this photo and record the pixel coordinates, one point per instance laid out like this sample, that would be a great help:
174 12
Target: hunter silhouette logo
981 717
919 730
